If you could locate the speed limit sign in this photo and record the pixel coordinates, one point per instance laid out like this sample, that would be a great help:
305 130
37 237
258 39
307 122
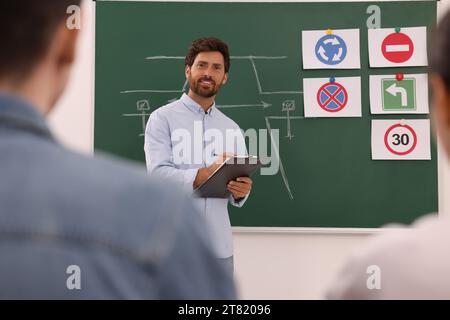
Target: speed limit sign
401 140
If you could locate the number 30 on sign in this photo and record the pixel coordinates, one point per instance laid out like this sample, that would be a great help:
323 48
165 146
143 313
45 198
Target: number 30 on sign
401 140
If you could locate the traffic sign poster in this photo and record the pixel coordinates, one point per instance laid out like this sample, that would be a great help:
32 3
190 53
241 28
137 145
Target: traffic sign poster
332 49
389 95
404 47
338 97
401 139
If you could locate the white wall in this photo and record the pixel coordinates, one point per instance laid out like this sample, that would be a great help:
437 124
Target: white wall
268 265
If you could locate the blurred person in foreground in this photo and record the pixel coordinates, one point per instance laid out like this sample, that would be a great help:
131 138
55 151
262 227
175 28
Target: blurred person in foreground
72 226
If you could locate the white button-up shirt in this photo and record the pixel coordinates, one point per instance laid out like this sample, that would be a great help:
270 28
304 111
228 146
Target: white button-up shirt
180 138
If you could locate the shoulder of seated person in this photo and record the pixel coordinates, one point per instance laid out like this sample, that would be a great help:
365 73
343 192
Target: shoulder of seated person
398 240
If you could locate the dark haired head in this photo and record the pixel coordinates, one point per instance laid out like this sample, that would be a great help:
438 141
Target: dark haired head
206 45
26 30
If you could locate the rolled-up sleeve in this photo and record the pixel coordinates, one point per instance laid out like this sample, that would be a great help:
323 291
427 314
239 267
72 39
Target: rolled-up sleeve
239 203
158 153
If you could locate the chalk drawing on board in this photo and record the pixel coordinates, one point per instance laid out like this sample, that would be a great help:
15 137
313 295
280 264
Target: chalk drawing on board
143 106
250 58
262 104
287 106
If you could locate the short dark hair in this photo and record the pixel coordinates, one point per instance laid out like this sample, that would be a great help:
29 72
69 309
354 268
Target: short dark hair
206 45
26 31
440 51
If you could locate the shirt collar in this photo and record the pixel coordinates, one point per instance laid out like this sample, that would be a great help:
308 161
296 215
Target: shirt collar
195 107
17 113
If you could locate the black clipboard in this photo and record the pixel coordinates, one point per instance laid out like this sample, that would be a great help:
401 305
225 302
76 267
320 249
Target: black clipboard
233 167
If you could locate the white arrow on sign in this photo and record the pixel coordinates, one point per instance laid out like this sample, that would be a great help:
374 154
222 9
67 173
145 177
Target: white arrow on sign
337 56
321 51
393 90
334 41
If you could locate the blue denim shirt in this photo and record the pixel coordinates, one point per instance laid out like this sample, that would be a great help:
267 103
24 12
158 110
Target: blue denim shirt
127 233
180 138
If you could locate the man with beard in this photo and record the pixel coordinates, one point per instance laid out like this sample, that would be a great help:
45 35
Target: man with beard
183 138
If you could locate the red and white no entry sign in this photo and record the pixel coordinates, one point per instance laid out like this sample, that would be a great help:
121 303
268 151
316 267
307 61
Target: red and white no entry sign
400 139
397 47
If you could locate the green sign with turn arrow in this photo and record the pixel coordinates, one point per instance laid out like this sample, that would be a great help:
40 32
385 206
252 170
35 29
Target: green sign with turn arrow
399 95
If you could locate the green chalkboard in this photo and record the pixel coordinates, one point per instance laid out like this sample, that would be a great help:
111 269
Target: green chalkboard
329 178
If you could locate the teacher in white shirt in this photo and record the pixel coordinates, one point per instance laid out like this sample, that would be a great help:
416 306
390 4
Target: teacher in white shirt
183 138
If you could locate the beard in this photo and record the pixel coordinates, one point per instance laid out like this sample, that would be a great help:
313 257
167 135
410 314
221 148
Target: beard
201 90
